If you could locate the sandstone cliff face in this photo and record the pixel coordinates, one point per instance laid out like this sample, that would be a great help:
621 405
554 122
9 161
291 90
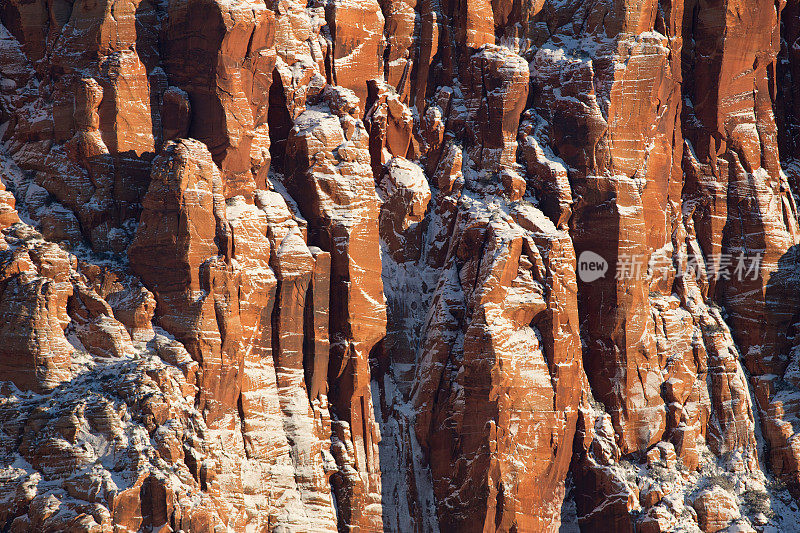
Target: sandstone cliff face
319 266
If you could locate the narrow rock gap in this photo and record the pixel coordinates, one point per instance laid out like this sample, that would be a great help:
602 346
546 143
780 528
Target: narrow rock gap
279 121
240 409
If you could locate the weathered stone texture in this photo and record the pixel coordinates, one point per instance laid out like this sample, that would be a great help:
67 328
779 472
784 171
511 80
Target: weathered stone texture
317 266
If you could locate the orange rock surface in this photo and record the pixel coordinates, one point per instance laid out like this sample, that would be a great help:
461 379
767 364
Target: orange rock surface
399 265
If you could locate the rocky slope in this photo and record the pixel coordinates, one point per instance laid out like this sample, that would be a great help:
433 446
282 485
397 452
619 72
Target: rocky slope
320 266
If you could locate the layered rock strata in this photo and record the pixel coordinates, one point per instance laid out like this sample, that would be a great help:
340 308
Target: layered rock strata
290 266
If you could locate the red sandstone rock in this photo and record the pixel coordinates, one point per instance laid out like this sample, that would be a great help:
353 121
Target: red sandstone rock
508 391
332 166
351 302
657 520
357 44
227 86
715 509
405 195
389 123
399 30
497 82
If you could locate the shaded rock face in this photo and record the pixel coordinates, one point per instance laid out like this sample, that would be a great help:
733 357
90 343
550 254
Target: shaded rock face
399 265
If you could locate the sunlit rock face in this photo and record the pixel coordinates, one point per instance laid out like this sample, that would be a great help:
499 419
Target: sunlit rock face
399 265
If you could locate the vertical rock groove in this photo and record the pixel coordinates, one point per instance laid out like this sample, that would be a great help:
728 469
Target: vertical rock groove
399 265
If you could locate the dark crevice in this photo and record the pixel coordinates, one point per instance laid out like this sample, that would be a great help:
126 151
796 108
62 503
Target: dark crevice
309 344
242 428
279 121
